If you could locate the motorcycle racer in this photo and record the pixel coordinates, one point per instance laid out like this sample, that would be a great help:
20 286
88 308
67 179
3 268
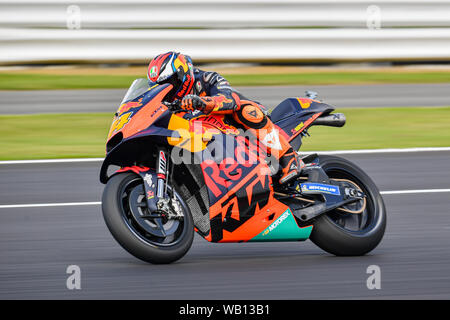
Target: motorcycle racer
210 92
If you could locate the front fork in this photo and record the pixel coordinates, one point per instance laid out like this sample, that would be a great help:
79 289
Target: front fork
162 176
170 206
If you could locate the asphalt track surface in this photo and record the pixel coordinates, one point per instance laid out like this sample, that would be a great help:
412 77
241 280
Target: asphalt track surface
340 96
38 244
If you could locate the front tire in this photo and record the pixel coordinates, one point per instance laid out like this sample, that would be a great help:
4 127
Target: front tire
347 234
141 244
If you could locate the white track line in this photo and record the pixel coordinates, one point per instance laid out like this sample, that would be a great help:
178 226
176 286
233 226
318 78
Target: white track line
97 203
414 191
38 205
52 161
367 151
362 151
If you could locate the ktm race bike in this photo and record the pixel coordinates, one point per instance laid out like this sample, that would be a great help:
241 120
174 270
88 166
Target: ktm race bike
182 172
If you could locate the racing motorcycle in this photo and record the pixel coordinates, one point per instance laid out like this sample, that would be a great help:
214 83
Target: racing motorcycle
170 173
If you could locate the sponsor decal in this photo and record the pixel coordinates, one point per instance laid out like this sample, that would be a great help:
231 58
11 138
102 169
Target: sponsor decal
276 223
150 194
154 72
239 207
186 86
272 140
298 127
219 178
284 228
157 110
198 86
222 83
253 113
318 187
224 87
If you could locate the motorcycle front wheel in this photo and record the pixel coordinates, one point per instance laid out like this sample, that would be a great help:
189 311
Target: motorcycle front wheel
350 234
154 240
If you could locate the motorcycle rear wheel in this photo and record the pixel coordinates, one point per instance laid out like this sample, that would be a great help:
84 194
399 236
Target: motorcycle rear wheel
347 234
131 236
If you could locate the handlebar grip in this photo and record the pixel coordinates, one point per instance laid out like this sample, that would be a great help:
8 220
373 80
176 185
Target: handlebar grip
172 105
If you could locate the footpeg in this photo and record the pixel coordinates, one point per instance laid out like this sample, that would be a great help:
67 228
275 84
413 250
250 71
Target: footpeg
290 177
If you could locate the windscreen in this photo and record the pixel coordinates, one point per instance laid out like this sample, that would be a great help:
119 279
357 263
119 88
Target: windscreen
138 87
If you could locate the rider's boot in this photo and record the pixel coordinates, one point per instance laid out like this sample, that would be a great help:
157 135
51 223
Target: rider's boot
291 166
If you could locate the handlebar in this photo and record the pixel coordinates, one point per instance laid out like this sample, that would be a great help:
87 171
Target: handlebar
174 106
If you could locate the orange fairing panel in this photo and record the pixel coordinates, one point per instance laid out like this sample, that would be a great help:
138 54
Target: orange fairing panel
195 134
128 124
246 210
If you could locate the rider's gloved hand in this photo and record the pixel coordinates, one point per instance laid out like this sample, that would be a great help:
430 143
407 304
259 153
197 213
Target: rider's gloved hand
192 102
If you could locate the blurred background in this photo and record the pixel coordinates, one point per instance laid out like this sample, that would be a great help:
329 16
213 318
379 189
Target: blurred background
65 66
355 53
286 31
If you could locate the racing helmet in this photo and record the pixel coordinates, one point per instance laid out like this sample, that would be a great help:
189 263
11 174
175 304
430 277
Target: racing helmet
174 68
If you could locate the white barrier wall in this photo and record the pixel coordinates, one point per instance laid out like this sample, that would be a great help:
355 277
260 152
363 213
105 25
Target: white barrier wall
224 13
88 30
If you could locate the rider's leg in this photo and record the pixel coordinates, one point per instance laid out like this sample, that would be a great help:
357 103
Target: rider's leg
251 117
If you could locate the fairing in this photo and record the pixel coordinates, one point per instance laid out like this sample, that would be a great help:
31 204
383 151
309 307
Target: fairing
241 200
294 115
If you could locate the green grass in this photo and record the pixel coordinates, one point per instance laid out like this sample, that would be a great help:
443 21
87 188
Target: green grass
326 78
379 128
53 136
21 81
84 135
24 81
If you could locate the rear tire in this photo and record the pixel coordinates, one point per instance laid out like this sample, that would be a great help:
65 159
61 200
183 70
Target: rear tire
330 233
130 237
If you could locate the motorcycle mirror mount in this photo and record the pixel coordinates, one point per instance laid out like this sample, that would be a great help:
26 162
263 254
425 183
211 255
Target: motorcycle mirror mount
311 94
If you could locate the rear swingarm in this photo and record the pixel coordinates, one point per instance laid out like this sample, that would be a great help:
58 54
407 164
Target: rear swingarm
323 194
